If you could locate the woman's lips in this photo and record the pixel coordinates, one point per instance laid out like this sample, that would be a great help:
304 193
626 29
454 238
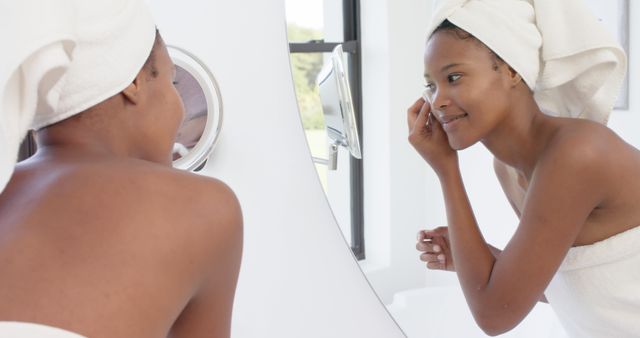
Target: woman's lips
449 121
450 118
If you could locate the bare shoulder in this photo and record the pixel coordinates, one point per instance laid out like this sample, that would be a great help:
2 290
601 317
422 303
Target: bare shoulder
147 176
585 145
193 225
194 214
598 166
145 235
169 192
204 209
160 210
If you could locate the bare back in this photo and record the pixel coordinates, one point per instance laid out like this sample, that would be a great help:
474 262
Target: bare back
118 248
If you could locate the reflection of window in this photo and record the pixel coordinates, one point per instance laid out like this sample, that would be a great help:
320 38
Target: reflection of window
314 28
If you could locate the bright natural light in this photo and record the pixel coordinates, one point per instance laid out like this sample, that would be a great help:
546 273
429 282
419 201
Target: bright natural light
305 13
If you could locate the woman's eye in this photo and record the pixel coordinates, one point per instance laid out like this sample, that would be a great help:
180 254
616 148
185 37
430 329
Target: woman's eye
454 77
430 86
175 83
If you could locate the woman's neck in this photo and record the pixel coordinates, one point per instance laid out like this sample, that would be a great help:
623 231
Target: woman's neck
106 139
520 139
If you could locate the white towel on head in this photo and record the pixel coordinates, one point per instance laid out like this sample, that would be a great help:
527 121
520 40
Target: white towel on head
63 57
39 36
565 55
114 40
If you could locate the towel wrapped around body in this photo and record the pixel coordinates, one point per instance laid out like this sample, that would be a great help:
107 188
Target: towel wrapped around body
590 295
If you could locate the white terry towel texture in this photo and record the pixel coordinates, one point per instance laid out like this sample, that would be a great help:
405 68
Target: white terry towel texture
565 55
589 293
63 57
39 39
30 330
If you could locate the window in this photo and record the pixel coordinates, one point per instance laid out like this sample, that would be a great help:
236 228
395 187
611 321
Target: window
314 28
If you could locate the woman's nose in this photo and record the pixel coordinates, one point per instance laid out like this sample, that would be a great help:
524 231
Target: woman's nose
439 99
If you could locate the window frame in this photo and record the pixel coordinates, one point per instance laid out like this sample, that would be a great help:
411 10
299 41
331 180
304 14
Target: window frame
351 44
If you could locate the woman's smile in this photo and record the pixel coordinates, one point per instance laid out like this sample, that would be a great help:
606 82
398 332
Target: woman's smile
450 121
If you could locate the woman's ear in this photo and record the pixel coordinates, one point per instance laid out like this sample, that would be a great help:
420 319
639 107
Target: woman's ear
514 77
132 92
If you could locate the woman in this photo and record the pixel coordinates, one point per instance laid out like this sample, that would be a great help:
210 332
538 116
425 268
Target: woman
568 179
99 235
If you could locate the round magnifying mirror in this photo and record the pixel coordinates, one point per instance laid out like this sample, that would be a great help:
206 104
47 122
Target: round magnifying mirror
198 134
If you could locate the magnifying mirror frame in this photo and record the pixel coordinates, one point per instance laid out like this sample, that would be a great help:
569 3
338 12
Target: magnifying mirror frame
334 71
203 149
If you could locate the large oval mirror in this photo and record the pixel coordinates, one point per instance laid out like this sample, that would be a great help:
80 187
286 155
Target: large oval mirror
383 199
198 134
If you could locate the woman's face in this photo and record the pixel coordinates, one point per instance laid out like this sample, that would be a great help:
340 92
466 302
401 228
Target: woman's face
467 87
165 109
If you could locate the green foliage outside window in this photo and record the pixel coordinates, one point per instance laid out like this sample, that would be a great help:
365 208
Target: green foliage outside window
305 67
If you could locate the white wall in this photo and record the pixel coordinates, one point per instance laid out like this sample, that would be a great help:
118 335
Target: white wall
626 123
298 277
401 193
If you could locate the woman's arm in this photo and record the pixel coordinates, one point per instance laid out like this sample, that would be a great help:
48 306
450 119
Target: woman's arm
439 237
500 291
513 185
565 187
515 189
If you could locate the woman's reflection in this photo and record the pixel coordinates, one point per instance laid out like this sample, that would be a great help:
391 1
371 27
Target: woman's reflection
195 120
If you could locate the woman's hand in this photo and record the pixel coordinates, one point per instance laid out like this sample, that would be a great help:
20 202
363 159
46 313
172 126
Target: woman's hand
429 139
434 245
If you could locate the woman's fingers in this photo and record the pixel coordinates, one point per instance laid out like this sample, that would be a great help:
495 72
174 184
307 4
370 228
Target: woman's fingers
434 261
428 241
437 265
413 112
434 248
434 127
433 257
428 246
430 233
423 116
418 115
440 242
444 243
439 231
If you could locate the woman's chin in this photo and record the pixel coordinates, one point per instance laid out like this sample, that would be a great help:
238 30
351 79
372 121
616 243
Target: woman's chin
460 144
